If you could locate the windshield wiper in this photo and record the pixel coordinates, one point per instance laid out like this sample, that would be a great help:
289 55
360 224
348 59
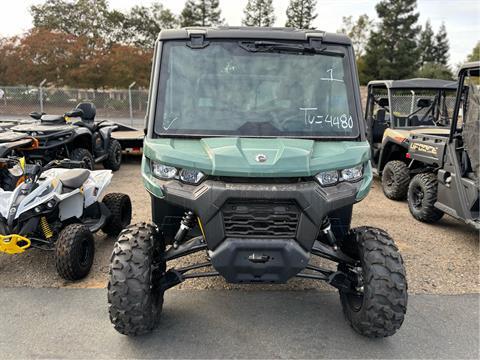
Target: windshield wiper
272 46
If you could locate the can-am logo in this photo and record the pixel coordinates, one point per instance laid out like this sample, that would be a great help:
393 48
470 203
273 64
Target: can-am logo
261 158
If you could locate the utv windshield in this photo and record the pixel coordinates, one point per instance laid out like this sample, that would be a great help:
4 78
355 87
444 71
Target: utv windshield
255 88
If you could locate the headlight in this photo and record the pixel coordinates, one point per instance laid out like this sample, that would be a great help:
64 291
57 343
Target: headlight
326 178
353 174
163 171
191 176
332 177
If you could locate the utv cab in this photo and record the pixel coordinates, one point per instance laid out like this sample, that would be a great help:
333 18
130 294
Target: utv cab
395 110
448 167
254 156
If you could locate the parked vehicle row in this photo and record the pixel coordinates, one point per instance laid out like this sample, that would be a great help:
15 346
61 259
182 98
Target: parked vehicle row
255 159
74 135
430 155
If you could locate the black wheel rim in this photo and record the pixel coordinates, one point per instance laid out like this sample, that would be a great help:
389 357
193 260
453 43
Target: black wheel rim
355 298
85 253
118 155
417 195
88 162
388 178
126 214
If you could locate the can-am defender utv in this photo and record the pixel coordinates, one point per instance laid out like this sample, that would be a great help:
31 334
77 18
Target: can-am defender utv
74 135
448 168
397 108
255 154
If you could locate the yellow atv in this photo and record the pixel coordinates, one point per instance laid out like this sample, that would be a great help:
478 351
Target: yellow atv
397 109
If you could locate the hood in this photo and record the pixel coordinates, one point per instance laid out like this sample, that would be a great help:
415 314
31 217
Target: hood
239 156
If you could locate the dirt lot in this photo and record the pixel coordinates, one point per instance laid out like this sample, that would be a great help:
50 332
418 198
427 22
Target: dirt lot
440 259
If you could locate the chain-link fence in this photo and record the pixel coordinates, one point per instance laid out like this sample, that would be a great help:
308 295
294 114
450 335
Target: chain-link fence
404 103
124 106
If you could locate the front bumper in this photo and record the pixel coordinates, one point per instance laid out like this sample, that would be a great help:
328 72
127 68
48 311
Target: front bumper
257 232
210 199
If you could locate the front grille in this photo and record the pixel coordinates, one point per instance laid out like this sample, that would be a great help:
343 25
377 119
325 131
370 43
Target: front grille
260 219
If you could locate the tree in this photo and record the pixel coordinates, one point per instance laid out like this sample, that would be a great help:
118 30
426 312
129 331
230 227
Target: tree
391 51
201 13
259 13
89 18
358 31
427 44
442 46
475 55
42 54
301 13
142 24
435 71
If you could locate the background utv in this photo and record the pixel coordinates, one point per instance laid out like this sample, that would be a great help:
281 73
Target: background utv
255 154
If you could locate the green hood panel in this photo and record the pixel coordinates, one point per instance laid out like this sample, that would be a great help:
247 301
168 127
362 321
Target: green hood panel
237 156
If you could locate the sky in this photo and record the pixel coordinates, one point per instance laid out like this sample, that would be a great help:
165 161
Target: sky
461 17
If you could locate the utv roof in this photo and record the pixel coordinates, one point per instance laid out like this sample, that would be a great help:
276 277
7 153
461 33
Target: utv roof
249 32
417 83
470 65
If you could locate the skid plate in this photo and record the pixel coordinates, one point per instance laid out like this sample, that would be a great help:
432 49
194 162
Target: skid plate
13 244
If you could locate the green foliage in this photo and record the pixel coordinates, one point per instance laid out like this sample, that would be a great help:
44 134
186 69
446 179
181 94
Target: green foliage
475 55
89 18
201 13
142 24
435 71
259 13
442 46
301 13
358 31
391 51
427 44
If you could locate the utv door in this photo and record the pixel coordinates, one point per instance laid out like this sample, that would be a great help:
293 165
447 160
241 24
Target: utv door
458 179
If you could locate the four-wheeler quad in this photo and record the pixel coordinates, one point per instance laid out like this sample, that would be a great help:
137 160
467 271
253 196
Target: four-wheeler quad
396 109
65 136
255 154
59 209
448 167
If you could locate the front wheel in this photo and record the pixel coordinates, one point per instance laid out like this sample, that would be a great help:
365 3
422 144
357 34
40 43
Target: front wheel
422 196
395 179
83 155
74 252
114 155
134 296
120 208
377 307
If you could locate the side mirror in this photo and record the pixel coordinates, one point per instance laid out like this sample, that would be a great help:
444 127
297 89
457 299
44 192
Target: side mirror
75 113
424 103
36 115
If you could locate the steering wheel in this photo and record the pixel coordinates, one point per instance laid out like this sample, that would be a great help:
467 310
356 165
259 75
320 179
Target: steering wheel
286 119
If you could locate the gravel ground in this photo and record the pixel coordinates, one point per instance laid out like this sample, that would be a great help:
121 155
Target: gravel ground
440 259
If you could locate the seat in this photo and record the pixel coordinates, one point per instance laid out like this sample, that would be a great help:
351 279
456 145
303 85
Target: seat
379 126
52 119
415 121
89 113
74 178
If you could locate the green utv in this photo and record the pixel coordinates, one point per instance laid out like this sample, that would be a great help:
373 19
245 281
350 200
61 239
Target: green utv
255 154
